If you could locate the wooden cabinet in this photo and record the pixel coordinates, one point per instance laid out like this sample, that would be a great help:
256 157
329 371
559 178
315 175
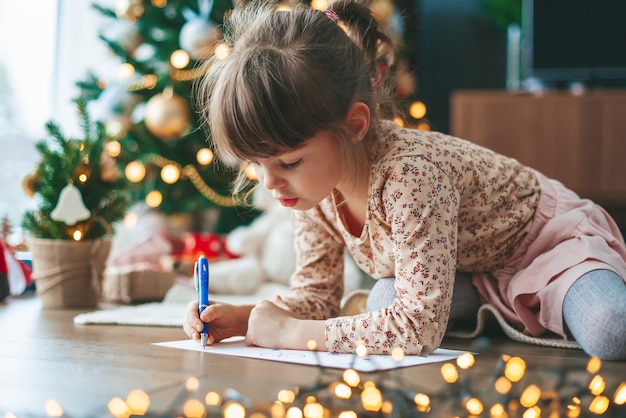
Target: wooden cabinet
577 139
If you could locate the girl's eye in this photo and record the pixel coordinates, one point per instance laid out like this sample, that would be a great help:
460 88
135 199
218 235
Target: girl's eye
291 166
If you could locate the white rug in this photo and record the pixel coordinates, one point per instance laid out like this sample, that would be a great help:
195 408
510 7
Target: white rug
171 311
157 314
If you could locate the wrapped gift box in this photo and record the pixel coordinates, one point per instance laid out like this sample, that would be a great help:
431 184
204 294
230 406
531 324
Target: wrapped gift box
135 283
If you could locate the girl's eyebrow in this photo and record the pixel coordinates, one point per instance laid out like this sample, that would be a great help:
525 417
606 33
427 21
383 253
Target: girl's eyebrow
291 154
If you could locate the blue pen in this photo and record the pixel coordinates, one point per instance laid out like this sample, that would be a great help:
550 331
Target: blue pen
202 272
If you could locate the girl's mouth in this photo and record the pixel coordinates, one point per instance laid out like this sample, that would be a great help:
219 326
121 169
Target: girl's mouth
288 202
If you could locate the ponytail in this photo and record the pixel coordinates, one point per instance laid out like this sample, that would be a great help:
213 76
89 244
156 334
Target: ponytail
379 50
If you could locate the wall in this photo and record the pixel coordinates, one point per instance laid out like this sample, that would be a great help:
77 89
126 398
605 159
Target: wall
457 48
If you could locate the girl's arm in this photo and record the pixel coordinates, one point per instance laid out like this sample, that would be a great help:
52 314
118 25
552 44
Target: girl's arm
274 327
317 284
296 320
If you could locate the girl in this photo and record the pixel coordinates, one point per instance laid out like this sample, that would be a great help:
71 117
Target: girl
429 215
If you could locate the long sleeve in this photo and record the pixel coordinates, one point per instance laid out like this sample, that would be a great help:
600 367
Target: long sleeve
318 283
419 208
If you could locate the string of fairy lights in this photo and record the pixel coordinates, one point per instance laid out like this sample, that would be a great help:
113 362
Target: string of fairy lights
511 391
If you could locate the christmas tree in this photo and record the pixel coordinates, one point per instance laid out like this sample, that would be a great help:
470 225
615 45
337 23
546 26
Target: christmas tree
80 191
149 110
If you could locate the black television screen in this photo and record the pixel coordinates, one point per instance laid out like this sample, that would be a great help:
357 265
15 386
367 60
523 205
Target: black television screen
574 40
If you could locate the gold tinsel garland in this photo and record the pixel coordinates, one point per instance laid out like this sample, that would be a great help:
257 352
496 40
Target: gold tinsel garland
149 81
190 172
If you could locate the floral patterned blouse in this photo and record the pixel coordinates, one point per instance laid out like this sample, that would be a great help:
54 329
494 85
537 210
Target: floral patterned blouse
436 204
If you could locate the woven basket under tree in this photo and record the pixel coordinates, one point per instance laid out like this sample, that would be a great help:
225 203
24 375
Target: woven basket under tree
81 194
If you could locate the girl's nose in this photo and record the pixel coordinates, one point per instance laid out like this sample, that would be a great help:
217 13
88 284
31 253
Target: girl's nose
269 179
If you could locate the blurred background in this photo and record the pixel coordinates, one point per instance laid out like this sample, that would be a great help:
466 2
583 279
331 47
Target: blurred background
135 60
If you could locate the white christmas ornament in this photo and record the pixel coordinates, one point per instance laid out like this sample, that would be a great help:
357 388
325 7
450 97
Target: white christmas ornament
199 34
70 207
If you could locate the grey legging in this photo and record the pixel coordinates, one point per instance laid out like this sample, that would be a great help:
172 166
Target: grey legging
594 309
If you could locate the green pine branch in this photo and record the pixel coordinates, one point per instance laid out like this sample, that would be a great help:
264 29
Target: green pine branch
90 88
76 161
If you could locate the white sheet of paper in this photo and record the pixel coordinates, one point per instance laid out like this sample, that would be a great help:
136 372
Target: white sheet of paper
236 347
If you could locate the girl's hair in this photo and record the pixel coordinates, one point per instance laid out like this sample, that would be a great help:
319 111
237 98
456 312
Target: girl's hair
291 74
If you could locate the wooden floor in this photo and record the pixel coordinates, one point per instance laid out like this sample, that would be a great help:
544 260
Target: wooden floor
47 363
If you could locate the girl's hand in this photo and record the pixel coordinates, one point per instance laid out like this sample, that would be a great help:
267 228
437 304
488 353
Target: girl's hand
226 321
272 326
268 326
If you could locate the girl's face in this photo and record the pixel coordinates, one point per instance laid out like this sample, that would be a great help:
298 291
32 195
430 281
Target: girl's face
301 178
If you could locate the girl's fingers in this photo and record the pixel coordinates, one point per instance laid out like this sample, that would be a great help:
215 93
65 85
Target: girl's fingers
191 333
278 301
193 324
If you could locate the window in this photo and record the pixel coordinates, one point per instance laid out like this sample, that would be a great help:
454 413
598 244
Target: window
46 46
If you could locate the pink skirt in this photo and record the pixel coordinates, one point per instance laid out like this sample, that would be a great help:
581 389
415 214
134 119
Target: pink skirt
569 237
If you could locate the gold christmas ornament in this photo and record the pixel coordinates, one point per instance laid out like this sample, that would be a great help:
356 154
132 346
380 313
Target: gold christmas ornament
29 184
167 115
70 208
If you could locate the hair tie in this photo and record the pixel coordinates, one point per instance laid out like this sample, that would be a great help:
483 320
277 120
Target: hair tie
377 81
332 15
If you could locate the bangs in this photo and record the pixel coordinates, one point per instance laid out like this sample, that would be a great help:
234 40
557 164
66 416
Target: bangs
274 104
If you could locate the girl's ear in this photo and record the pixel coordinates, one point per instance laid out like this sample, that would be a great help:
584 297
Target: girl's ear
358 118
